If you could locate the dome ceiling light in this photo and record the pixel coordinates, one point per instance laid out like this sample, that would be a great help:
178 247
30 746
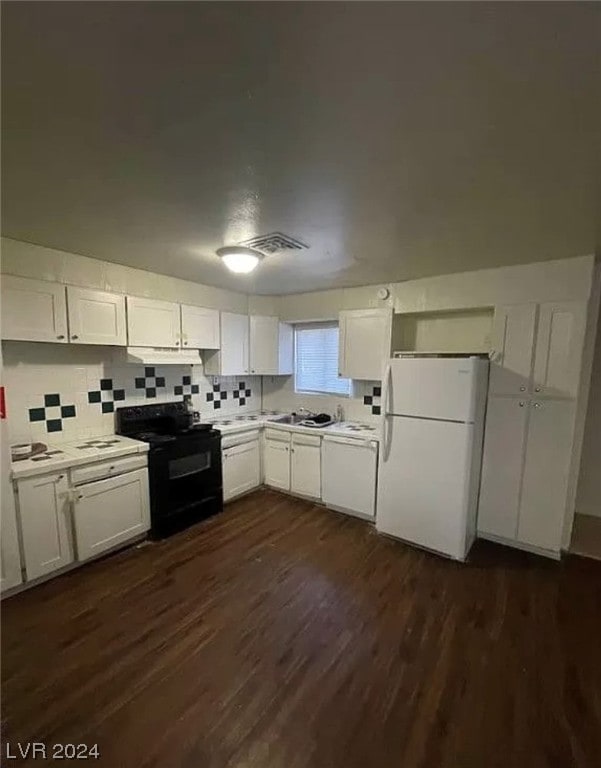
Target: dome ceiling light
243 258
239 258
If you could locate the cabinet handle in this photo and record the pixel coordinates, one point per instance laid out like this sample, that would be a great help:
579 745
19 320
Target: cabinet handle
60 477
521 403
522 389
537 389
536 405
74 336
61 336
185 343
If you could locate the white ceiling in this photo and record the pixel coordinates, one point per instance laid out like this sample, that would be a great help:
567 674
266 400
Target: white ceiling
398 139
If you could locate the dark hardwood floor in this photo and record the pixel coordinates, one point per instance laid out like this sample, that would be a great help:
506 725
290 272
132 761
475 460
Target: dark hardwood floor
281 635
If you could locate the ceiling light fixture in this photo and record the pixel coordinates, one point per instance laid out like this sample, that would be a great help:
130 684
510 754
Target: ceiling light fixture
239 258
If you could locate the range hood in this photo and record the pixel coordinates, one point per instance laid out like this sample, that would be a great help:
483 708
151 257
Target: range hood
159 356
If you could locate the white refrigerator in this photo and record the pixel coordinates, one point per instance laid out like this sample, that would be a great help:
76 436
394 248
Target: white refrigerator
431 453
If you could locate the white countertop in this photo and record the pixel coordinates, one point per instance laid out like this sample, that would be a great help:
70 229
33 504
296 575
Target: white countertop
85 451
352 429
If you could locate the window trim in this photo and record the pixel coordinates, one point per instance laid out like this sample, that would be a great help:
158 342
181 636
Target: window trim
319 325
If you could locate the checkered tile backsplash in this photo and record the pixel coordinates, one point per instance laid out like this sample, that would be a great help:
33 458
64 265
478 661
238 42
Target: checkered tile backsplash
54 399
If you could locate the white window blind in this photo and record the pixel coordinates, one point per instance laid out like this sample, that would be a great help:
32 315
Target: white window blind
316 360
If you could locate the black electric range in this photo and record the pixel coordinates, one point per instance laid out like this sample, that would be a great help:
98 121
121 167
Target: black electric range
184 464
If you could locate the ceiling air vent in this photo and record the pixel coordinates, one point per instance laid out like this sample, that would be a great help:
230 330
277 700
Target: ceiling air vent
274 242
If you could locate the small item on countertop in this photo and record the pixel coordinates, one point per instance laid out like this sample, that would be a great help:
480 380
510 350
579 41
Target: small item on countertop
23 451
320 420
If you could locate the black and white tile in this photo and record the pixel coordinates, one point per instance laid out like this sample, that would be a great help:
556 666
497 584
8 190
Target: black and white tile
52 412
374 400
186 387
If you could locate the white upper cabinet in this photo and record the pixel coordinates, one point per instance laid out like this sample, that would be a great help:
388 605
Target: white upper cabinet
96 317
365 340
559 349
232 357
44 511
513 349
33 310
200 327
546 474
152 323
271 346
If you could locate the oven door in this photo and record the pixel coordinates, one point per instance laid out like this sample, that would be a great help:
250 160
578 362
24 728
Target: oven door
185 479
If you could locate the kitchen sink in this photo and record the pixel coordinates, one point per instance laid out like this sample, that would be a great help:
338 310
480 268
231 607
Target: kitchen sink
290 418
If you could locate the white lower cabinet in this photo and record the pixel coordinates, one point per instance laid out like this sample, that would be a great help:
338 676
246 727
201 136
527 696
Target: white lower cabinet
525 472
45 515
110 512
276 459
305 465
10 555
241 467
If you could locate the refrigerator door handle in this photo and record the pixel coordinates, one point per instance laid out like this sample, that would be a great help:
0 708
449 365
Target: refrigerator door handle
385 429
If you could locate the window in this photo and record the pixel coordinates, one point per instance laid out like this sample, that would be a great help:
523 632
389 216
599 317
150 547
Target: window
316 360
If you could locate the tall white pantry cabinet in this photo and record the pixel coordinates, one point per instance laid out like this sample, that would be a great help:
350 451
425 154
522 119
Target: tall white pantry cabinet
528 444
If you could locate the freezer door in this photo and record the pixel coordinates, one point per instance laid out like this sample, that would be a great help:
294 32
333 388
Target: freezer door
425 483
453 389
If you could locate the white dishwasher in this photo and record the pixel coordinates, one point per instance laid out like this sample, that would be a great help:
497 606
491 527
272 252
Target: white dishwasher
349 471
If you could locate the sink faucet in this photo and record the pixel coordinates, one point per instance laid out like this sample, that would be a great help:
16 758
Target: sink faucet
305 411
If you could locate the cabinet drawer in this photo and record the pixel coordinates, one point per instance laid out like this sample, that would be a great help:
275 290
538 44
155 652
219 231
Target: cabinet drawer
102 469
239 439
299 438
277 435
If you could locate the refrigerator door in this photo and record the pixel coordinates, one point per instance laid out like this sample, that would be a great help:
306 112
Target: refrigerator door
452 389
426 482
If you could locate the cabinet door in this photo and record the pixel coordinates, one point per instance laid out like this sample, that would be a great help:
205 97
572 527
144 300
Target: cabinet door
546 472
200 327
33 310
241 469
276 464
502 464
365 339
559 348
234 344
305 468
152 323
44 510
264 344
96 317
110 512
513 349
286 350
10 557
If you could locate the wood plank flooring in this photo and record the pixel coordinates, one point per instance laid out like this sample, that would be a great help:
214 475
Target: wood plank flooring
281 635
